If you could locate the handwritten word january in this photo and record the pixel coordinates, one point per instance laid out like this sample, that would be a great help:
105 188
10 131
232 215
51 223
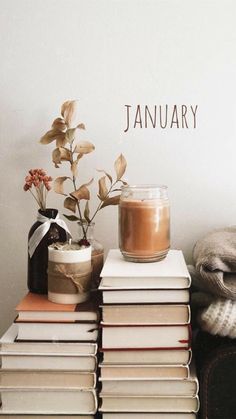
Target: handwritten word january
160 116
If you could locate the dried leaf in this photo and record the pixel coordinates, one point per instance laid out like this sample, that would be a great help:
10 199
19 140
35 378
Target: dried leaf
58 184
111 201
103 191
52 135
71 217
56 157
69 111
107 174
60 154
65 154
61 141
81 126
81 193
59 124
120 166
70 204
87 212
70 135
84 147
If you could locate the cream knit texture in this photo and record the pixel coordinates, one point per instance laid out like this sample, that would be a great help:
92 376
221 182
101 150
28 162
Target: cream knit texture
219 318
215 261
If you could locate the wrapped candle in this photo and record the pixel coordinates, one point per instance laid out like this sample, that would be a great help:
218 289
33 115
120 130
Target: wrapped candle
69 273
144 223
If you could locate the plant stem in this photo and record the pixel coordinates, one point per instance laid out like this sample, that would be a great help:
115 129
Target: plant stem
100 204
77 202
38 202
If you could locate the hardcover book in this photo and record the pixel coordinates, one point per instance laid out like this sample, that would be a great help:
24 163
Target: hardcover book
170 273
9 345
51 361
136 336
37 307
146 314
136 296
147 356
169 387
23 380
147 415
22 416
149 404
48 401
120 372
57 331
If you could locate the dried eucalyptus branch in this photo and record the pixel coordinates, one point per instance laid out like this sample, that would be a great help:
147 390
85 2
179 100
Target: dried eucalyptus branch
67 149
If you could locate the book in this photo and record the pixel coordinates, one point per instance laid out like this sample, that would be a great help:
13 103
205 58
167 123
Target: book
16 380
22 416
142 314
146 356
148 415
149 404
9 345
171 387
48 401
48 362
136 336
151 387
37 307
169 273
120 372
145 296
57 331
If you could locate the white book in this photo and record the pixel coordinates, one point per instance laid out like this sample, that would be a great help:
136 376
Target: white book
146 296
149 404
138 372
48 362
46 401
148 415
146 314
144 356
22 416
42 380
9 345
169 273
169 386
57 331
162 337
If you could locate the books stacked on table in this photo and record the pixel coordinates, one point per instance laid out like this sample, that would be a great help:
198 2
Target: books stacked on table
48 360
146 339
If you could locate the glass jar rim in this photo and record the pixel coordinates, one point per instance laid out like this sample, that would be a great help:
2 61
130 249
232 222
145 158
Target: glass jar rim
144 187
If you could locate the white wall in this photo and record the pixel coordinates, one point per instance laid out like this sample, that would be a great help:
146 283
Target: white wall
109 53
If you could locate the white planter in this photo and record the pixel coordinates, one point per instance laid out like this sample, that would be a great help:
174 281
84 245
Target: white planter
69 275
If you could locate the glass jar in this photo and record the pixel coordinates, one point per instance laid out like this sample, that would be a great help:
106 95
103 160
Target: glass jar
144 223
97 252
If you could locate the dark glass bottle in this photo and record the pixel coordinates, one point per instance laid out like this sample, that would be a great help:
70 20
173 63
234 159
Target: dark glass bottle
38 263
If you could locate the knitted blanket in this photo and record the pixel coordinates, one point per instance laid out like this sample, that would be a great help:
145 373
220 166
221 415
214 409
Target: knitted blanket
215 262
215 315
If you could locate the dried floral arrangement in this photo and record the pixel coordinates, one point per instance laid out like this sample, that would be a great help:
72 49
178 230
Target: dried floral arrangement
68 149
38 183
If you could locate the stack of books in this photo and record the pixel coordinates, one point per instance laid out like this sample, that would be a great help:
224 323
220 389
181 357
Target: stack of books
146 339
48 360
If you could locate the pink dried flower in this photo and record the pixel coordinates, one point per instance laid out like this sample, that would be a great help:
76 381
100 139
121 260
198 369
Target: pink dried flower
39 179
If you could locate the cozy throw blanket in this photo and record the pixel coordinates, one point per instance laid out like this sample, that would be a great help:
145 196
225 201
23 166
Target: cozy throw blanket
215 262
215 315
